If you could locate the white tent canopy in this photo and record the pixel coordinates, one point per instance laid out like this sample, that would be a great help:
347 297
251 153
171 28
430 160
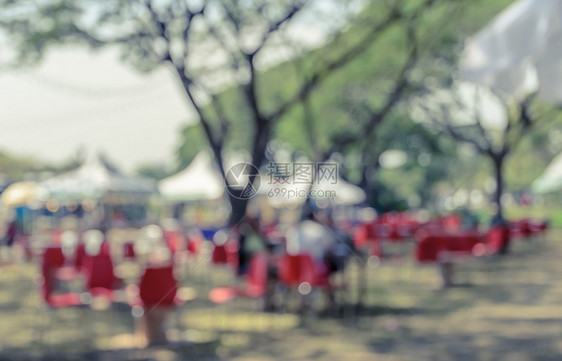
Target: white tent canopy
520 51
199 181
551 179
94 179
19 194
340 192
291 193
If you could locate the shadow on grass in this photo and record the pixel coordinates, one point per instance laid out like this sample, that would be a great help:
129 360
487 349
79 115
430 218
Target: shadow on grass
159 353
379 310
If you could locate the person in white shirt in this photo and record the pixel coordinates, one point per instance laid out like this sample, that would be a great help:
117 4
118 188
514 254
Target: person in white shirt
312 238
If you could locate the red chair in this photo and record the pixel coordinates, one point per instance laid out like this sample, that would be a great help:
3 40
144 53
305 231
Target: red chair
497 239
174 240
300 270
289 270
427 246
255 282
366 237
541 226
446 249
430 242
297 269
101 279
519 229
361 236
129 251
52 260
156 293
451 222
194 244
316 275
388 231
256 279
219 254
158 287
391 230
105 248
464 242
226 254
526 228
79 256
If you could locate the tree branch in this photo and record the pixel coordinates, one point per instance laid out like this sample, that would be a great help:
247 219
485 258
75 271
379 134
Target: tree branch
394 97
478 121
457 135
273 27
342 60
215 141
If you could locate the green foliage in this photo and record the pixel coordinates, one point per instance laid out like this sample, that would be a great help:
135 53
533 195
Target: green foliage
349 96
193 141
155 171
14 168
33 29
337 108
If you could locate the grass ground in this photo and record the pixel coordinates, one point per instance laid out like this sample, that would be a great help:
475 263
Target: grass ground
502 309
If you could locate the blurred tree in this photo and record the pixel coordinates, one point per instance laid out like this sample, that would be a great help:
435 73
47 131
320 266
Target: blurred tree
210 45
348 115
533 154
192 142
15 168
492 124
155 171
496 127
420 161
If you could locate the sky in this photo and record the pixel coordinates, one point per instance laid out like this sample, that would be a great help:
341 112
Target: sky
81 99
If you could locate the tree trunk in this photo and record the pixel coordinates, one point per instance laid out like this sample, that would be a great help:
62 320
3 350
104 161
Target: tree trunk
367 183
499 219
261 138
498 174
238 210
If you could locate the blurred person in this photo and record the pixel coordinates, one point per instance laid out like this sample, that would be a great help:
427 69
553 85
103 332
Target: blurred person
469 220
343 247
311 237
253 241
320 242
11 232
119 219
95 242
69 243
11 235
